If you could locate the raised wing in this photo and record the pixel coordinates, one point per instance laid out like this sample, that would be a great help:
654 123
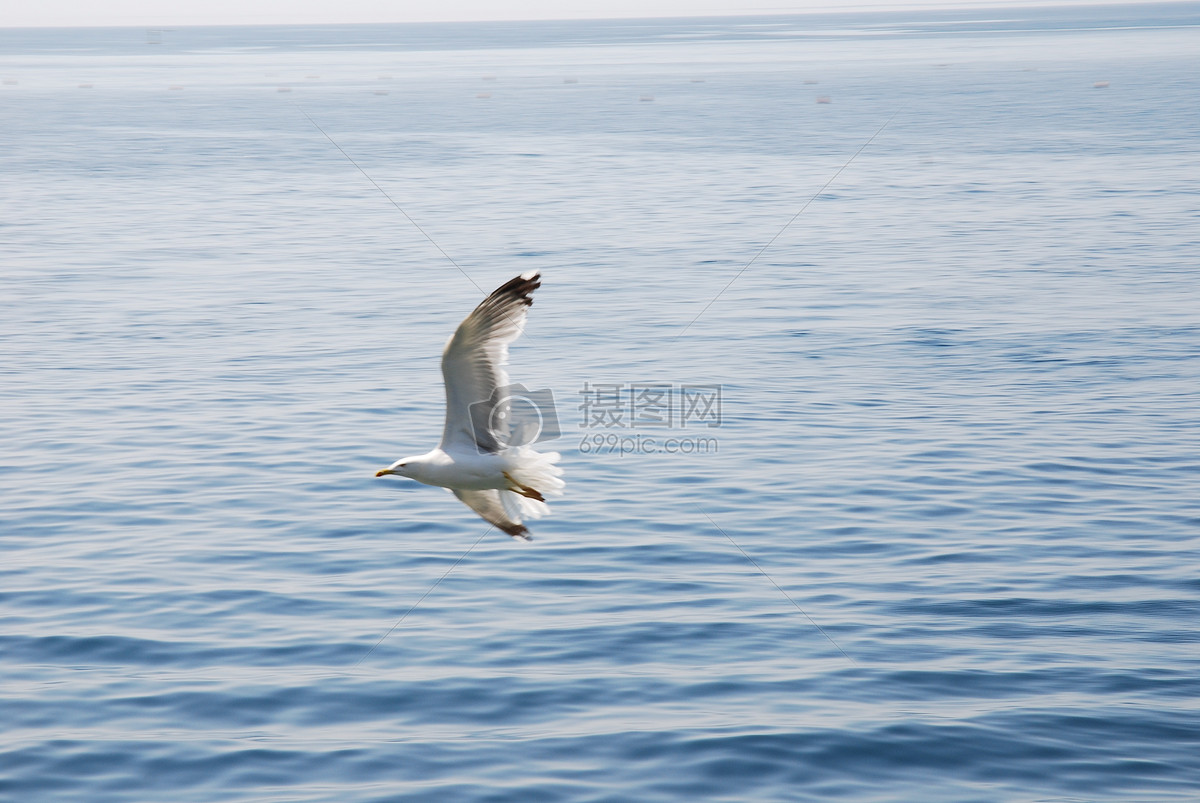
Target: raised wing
473 368
489 505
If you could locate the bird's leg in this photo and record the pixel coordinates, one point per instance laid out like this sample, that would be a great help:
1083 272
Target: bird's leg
524 490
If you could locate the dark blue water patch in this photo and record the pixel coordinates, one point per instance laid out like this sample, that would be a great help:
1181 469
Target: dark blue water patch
1030 608
974 556
1109 582
74 651
992 684
1118 736
645 643
936 338
1082 466
366 702
345 532
859 547
735 765
127 651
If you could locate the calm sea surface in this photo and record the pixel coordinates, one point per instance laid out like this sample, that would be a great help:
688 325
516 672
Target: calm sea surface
941 544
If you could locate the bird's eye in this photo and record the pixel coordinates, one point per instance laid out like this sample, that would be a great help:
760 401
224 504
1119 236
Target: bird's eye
402 465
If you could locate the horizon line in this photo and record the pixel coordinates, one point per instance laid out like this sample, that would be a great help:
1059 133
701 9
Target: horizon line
865 8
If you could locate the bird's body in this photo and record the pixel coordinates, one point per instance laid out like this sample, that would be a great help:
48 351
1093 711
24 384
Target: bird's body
470 472
438 468
482 459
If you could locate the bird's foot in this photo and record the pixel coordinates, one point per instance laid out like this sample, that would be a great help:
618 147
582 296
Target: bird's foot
524 490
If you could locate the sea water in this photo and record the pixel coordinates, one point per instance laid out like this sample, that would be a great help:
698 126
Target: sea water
873 343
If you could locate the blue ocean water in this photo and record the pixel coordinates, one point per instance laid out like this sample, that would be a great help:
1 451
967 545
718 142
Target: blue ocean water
941 543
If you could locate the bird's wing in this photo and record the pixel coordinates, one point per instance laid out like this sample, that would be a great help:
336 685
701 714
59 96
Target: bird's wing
488 505
473 367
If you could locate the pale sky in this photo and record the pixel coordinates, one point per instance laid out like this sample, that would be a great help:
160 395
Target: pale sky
166 13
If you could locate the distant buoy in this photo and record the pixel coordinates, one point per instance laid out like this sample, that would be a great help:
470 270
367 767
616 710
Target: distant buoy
484 95
570 80
1100 85
646 97
824 99
284 89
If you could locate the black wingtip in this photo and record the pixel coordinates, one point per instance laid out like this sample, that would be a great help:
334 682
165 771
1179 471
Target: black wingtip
519 288
518 531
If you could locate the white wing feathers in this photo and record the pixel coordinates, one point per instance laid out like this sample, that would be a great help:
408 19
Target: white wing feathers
473 368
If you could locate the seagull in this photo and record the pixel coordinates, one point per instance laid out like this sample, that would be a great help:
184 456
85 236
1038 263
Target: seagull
483 459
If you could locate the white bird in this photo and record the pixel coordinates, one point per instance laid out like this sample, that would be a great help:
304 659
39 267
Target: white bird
481 459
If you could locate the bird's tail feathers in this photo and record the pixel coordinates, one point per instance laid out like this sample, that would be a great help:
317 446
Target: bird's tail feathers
536 470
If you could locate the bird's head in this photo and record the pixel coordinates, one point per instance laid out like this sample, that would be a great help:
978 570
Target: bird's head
400 468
